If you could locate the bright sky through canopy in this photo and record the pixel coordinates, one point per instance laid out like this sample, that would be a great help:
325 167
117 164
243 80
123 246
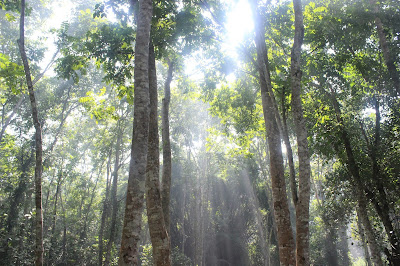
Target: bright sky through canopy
239 23
62 12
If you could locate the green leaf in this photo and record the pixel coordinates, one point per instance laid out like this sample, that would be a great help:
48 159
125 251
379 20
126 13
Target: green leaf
10 18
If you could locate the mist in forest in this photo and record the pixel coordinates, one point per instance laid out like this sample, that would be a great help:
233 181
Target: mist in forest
199 132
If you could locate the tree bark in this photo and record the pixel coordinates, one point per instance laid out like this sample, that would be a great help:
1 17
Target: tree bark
167 158
38 141
281 207
158 232
303 203
129 250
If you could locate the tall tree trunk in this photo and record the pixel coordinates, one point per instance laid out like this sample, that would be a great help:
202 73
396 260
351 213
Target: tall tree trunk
198 245
53 226
114 200
83 234
185 188
64 240
303 203
289 151
129 250
281 207
167 158
158 232
23 229
363 241
105 212
343 245
38 140
331 254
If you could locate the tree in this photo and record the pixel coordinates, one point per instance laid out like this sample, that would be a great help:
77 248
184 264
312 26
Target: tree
129 251
38 142
271 116
167 160
302 200
157 226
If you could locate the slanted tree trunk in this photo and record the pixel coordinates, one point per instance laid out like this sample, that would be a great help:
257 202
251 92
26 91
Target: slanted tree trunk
167 158
114 200
129 251
380 200
387 55
357 185
38 141
158 232
22 99
9 118
303 203
281 207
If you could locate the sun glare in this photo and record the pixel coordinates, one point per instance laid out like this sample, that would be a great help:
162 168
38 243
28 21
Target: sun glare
239 23
62 12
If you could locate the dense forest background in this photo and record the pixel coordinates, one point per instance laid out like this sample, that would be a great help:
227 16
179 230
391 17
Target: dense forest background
224 71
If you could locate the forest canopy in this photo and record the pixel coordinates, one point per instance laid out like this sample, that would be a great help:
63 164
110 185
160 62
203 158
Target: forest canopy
200 132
